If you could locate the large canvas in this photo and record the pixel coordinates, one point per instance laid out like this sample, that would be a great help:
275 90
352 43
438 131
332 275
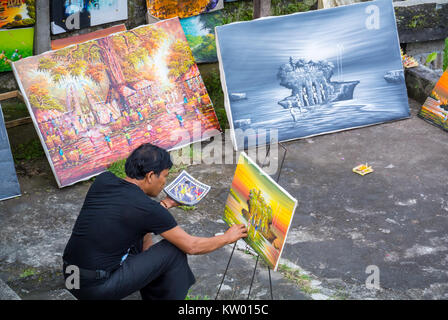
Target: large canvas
92 103
17 13
312 73
15 44
266 209
67 15
200 33
65 42
9 185
164 9
435 108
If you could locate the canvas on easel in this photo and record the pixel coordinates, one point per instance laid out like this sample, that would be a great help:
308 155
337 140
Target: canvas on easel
261 204
93 103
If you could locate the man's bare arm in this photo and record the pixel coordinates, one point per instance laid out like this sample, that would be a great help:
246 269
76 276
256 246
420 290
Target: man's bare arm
200 245
147 241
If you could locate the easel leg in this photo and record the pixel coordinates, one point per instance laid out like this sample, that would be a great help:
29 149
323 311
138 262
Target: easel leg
270 283
253 276
225 272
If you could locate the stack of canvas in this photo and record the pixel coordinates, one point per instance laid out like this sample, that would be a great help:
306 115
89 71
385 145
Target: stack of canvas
94 102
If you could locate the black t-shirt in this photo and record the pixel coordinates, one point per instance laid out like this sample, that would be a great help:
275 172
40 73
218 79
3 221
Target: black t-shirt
116 215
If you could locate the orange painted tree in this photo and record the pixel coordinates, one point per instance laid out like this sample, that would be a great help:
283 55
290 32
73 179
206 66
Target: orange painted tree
180 59
115 59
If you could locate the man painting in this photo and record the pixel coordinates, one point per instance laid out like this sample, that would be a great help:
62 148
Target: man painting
111 241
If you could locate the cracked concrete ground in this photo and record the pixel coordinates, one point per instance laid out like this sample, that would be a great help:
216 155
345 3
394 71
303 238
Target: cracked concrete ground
394 218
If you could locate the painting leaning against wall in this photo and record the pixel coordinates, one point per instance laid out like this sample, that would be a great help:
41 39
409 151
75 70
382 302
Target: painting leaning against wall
312 73
164 9
15 44
200 33
17 13
9 185
93 103
68 15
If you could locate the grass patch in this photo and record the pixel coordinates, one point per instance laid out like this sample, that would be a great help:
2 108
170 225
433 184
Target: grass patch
28 151
212 82
303 281
14 109
117 168
340 295
187 208
282 7
27 273
196 297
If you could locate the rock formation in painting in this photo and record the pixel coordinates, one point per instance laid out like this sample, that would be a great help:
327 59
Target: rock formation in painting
311 84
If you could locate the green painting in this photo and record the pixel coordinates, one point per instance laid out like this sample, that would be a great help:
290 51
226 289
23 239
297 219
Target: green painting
15 44
200 33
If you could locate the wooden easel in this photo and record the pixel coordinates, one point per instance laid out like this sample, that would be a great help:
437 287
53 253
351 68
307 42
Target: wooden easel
20 121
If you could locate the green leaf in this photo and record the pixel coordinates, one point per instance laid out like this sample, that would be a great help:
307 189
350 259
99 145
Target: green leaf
431 57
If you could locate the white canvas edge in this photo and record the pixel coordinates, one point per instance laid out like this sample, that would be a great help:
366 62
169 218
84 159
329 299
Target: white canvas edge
243 154
9 145
74 44
30 110
12 197
226 94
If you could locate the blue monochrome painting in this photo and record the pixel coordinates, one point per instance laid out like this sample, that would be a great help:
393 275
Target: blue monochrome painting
9 185
312 73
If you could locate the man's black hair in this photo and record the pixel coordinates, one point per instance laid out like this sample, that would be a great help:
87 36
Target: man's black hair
147 158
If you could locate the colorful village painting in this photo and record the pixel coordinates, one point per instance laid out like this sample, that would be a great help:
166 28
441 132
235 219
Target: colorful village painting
17 13
92 103
164 9
263 206
435 108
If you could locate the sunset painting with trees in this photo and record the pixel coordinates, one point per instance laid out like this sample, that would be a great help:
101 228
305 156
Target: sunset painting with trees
17 13
94 102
